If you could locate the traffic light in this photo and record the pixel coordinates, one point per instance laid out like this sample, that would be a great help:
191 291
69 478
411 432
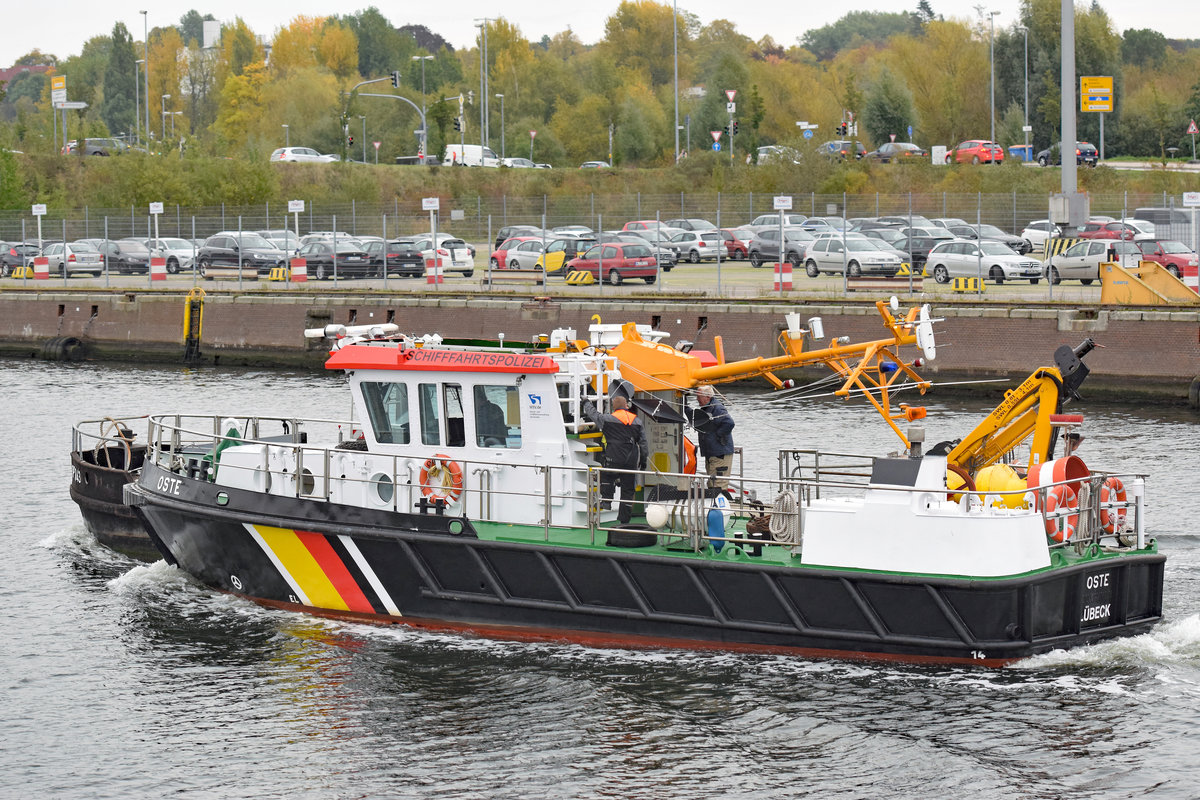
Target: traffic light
725 130
458 123
350 141
735 124
396 79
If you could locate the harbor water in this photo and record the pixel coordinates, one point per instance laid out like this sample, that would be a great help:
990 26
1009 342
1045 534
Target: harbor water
129 680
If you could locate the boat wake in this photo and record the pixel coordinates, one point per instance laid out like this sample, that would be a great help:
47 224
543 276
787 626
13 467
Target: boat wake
1169 644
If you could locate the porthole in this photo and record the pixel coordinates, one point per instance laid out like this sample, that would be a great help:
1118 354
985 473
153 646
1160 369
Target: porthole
383 488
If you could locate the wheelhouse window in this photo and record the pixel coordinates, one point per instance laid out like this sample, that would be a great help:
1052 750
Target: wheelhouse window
431 429
497 416
456 434
387 409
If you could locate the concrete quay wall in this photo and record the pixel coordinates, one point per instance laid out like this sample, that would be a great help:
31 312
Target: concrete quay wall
1150 352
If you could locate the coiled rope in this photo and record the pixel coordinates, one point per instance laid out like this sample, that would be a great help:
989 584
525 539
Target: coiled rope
785 518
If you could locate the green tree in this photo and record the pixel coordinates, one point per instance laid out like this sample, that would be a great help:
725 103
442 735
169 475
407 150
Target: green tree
855 29
85 72
239 47
191 27
1144 48
381 48
888 110
119 82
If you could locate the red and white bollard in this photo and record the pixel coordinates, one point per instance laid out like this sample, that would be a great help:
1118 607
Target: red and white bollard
433 270
158 268
41 268
299 270
783 276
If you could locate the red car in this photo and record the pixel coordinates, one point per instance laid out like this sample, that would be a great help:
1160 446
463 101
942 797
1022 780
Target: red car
1175 256
734 246
976 151
618 260
1108 230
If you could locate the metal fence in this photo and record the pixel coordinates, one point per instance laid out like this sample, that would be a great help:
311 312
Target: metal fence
477 218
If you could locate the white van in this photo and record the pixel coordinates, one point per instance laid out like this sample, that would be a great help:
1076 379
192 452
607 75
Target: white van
470 155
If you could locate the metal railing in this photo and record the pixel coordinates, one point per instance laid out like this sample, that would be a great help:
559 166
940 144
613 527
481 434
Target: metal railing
287 464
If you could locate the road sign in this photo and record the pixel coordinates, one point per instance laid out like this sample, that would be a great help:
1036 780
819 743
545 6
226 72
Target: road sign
910 133
58 89
295 206
71 105
376 144
1191 199
1192 127
430 203
731 107
716 145
1096 93
532 134
39 209
807 133
716 135
783 202
156 208
730 94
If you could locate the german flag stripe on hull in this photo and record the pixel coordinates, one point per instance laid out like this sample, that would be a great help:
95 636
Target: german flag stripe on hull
316 569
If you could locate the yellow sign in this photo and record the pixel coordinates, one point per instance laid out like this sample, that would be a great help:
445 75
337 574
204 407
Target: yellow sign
1096 93
58 82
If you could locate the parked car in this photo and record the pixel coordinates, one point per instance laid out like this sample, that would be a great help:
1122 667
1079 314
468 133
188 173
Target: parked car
1037 232
509 231
72 258
179 253
124 256
947 222
97 147
691 224
818 224
346 259
897 151
976 151
856 255
301 154
1177 257
737 242
1129 230
403 258
765 220
917 246
842 149
560 251
239 251
615 262
1085 153
993 261
778 154
572 230
765 247
594 165
1081 261
698 245
651 230
16 254
1016 243
908 220
667 258
455 254
284 239
1173 223
500 256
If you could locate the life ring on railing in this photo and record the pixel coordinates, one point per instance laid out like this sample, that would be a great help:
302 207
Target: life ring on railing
689 456
441 478
1061 528
1112 505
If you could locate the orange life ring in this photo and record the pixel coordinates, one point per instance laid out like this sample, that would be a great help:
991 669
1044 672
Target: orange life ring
441 478
1112 505
1061 528
689 457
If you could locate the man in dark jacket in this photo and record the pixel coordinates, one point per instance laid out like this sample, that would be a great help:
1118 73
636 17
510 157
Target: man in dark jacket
624 448
714 426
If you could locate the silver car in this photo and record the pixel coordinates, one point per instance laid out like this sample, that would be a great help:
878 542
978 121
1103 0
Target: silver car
960 258
697 246
1081 262
856 255
73 258
179 253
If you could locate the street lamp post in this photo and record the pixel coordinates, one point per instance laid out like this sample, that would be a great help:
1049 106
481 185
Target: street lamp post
146 56
675 31
424 126
137 101
1025 127
364 136
483 81
287 136
501 125
165 98
992 68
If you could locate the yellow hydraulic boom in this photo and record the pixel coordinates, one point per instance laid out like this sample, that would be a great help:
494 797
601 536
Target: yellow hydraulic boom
870 367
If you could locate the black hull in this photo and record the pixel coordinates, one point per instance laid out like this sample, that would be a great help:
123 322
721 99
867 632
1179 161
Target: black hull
97 490
433 578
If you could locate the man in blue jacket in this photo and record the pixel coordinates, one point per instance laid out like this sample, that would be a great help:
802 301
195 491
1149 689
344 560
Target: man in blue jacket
624 448
714 426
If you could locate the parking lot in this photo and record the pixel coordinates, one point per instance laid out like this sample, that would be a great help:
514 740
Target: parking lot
733 279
